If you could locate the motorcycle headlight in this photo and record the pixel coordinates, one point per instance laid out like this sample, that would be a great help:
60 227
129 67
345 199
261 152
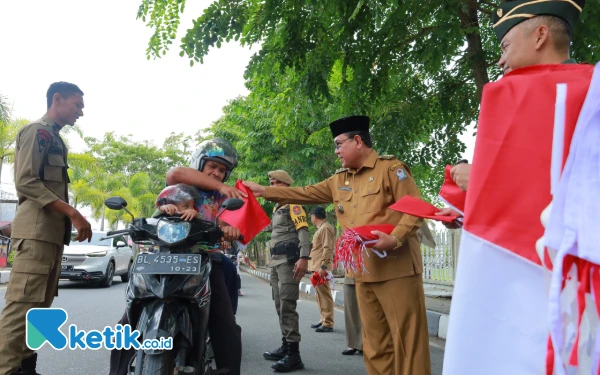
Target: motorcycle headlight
172 232
98 254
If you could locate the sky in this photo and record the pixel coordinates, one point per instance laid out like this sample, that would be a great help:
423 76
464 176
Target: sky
100 46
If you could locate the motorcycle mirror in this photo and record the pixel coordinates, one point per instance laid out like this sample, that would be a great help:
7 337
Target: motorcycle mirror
118 203
232 204
115 203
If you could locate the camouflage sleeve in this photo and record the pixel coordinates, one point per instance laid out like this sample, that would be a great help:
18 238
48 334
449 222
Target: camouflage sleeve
31 146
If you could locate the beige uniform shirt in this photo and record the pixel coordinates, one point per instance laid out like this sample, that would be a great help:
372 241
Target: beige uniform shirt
41 178
322 248
362 197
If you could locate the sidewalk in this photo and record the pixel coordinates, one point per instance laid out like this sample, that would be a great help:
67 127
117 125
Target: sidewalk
4 274
437 299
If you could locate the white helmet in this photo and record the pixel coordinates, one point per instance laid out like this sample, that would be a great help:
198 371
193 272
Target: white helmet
217 149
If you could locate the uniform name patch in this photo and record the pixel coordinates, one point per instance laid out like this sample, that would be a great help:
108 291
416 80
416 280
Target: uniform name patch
401 174
345 188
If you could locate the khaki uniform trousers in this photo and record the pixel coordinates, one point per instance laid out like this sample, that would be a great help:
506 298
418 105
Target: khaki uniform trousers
325 303
285 295
352 318
395 335
33 283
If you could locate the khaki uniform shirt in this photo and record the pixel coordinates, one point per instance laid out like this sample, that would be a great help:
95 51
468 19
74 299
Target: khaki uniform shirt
322 248
41 178
362 197
289 223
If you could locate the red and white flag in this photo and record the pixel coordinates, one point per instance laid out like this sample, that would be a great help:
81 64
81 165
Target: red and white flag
499 317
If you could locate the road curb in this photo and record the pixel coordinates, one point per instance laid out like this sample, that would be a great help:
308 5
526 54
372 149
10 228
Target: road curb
437 323
4 275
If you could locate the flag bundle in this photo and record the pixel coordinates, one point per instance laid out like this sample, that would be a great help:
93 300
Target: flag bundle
353 243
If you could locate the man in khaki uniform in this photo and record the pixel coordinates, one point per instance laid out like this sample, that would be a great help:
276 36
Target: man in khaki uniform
42 225
390 294
352 317
322 261
290 248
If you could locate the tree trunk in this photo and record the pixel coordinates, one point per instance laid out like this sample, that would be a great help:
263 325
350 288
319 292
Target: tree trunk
1 163
102 221
469 20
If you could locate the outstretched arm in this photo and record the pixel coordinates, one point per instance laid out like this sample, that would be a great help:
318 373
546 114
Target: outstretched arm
193 177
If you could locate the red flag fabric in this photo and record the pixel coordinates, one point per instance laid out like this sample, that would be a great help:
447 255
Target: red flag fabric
250 219
352 244
499 320
416 207
451 194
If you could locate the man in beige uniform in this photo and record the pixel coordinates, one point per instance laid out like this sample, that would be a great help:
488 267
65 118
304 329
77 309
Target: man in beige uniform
390 293
290 248
322 261
42 225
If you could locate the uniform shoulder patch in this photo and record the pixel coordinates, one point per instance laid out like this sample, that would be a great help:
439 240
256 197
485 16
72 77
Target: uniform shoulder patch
401 174
298 216
341 170
386 157
43 137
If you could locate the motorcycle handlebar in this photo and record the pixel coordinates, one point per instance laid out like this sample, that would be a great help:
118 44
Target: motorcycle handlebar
117 232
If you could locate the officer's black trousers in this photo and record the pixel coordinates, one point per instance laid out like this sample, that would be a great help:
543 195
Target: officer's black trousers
225 334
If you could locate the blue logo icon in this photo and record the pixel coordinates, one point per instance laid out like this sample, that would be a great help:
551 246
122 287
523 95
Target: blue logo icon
43 325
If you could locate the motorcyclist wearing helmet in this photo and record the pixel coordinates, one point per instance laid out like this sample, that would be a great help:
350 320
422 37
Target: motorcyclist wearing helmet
210 166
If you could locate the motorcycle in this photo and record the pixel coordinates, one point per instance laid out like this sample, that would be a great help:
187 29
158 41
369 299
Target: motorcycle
168 294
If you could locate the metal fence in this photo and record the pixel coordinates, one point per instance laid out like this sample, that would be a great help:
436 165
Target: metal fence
439 264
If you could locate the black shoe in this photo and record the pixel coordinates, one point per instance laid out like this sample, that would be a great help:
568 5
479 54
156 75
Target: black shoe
28 366
278 353
324 329
291 361
351 351
316 325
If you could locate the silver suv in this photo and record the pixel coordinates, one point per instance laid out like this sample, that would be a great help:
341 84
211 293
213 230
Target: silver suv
97 261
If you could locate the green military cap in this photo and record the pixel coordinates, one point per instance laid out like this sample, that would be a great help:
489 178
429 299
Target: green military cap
511 13
281 176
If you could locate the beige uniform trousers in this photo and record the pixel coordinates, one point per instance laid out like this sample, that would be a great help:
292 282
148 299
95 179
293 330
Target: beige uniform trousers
352 318
325 303
395 335
285 295
33 283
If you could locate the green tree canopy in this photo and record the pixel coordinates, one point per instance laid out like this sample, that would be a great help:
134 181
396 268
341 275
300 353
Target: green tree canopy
417 68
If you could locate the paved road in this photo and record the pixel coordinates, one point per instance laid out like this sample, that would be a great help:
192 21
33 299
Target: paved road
94 308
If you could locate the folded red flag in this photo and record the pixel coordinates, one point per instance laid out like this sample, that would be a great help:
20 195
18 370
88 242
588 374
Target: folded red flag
353 242
250 219
451 194
416 207
317 280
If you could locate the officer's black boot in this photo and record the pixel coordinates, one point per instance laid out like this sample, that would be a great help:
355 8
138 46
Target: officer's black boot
278 353
291 361
28 366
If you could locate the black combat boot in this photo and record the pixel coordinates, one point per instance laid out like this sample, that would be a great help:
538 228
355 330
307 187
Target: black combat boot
278 353
28 366
291 361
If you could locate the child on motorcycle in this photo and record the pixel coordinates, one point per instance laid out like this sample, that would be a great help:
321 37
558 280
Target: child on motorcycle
178 200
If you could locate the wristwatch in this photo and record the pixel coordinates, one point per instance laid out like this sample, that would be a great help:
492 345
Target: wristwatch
323 267
305 257
398 242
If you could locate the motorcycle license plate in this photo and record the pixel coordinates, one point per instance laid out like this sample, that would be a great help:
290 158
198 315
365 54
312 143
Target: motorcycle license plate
67 268
165 264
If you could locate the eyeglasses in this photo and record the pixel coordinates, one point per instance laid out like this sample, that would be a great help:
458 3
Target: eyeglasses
339 144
